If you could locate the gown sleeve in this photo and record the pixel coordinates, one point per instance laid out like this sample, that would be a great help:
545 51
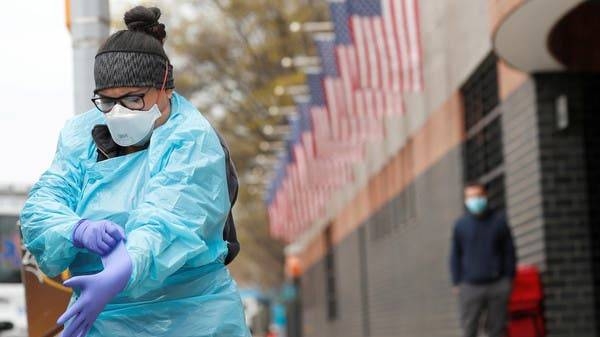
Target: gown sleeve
48 216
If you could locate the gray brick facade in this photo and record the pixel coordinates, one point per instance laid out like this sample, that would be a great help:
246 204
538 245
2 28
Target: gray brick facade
547 196
407 278
568 225
523 183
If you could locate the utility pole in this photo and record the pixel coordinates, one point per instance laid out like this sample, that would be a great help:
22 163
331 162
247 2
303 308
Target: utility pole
89 24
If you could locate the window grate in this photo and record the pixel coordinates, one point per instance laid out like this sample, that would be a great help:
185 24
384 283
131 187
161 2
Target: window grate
483 151
480 92
483 158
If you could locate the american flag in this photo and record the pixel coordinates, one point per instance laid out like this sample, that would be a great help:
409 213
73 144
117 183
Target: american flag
373 57
295 145
300 146
306 138
277 200
304 113
343 123
332 85
319 111
386 36
327 149
347 64
294 189
369 68
371 37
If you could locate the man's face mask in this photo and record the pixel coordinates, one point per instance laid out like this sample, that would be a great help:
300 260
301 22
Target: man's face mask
476 205
131 127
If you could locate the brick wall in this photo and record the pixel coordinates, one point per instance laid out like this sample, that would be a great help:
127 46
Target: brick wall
551 184
591 122
522 174
569 286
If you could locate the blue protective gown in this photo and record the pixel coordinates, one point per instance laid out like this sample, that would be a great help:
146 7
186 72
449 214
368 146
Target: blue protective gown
171 199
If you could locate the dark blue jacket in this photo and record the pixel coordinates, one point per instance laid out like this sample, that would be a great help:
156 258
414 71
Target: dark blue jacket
482 249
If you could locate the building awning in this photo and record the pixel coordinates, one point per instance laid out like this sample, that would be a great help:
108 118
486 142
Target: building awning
550 35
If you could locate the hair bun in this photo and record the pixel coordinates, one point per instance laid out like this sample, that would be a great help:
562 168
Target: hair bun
145 19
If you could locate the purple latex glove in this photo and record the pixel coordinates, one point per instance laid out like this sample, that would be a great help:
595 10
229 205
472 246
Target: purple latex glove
99 237
96 291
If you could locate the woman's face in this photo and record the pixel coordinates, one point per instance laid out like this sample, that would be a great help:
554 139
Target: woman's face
151 96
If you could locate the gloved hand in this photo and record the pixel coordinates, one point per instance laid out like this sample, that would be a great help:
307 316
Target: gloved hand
99 237
96 291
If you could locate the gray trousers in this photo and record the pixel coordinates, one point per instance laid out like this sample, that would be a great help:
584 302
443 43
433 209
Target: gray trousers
491 300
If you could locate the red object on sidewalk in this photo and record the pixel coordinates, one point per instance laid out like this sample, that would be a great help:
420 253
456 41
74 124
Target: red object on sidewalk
525 305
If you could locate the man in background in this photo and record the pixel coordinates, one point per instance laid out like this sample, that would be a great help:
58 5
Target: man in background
482 264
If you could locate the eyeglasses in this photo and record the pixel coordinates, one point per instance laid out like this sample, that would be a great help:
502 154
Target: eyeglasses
130 101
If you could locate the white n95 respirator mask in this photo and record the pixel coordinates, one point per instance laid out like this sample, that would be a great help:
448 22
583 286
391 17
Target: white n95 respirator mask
131 127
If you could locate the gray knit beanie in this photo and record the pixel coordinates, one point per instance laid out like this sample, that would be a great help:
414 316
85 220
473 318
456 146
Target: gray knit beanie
135 57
